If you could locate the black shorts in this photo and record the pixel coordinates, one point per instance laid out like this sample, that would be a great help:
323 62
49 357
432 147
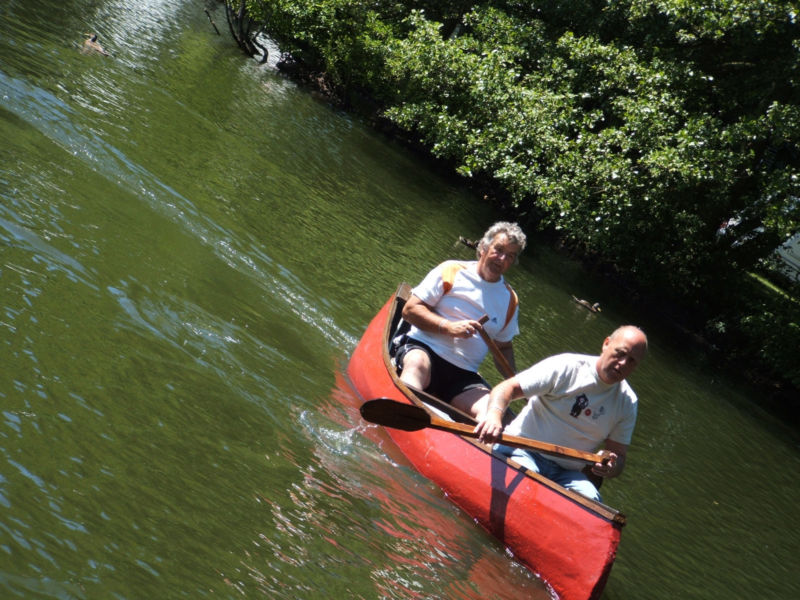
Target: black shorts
447 380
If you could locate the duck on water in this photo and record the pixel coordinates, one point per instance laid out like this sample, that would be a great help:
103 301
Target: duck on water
588 305
92 46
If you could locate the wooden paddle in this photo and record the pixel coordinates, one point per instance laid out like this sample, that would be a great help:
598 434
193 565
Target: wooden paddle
408 417
496 352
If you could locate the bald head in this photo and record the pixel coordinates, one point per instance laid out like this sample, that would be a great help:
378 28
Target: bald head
622 352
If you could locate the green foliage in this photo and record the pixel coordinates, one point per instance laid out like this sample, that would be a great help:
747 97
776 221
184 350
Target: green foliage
632 128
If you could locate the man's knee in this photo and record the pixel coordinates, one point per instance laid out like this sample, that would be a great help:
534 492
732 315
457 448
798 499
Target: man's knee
585 488
416 369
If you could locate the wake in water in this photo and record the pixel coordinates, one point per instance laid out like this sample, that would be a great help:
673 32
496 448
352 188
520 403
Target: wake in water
57 121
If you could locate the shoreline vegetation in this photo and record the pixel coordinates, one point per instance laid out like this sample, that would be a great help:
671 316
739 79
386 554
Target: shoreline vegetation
656 143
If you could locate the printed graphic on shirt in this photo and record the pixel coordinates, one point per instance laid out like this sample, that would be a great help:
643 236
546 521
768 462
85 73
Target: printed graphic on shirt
600 412
580 403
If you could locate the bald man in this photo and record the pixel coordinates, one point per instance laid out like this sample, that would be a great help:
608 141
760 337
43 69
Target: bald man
575 400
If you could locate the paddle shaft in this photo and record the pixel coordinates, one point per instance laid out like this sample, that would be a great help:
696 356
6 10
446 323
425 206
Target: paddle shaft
519 442
501 359
410 417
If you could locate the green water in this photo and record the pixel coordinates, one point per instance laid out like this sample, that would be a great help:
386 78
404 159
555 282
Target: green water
190 248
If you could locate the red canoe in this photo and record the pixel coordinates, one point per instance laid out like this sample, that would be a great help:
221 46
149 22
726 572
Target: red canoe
566 539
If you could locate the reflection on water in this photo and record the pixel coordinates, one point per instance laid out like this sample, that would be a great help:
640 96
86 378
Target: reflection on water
429 542
190 247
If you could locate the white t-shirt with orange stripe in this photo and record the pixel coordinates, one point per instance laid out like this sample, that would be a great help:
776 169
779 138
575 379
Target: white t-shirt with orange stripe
470 297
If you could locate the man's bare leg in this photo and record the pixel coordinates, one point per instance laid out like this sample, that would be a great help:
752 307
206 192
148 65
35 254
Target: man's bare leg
416 369
473 402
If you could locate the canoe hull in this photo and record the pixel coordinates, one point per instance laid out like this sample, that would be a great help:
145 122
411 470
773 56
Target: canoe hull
569 541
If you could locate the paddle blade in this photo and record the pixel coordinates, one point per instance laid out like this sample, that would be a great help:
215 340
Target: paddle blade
397 415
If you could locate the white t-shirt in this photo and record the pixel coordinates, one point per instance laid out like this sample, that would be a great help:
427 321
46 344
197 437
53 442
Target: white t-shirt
571 406
471 297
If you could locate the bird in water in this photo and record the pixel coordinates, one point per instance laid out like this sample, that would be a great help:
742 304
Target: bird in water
468 243
91 45
586 304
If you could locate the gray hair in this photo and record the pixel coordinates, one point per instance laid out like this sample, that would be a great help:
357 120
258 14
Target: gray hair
511 230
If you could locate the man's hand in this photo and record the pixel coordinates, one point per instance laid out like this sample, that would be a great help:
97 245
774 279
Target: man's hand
608 467
490 426
615 464
460 329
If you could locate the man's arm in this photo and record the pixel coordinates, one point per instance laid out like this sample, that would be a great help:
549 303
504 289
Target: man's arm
490 425
422 316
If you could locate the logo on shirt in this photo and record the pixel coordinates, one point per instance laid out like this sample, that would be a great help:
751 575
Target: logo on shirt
581 402
600 412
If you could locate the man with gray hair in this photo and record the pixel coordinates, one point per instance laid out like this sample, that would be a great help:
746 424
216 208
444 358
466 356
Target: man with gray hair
443 348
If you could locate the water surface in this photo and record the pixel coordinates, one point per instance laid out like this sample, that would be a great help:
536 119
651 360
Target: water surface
190 248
